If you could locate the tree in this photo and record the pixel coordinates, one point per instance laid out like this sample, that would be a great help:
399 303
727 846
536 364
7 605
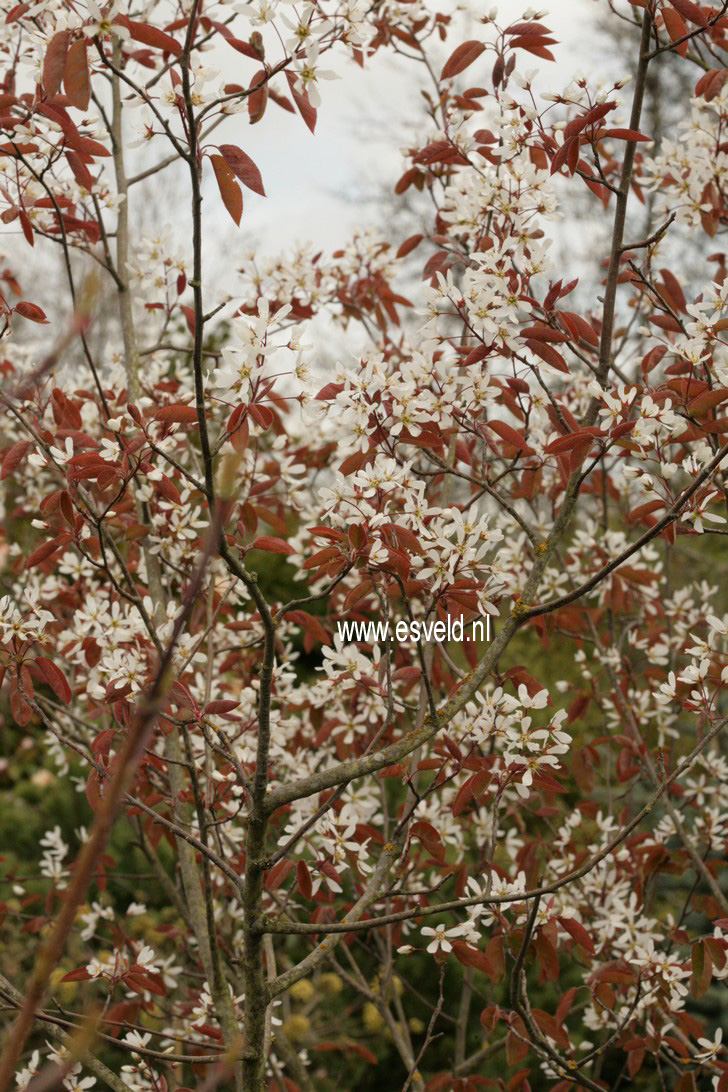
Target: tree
323 827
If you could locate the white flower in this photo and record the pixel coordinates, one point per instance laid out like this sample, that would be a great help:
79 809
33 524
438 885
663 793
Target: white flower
136 1039
146 959
440 940
711 1047
308 75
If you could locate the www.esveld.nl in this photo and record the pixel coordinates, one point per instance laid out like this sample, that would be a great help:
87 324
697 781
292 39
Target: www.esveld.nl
454 629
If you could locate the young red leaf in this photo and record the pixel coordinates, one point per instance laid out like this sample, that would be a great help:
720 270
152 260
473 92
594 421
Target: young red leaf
79 975
282 101
409 245
702 968
516 1049
329 391
261 415
43 552
76 76
80 171
624 134
561 155
167 490
190 319
578 933
17 12
257 96
229 189
709 85
277 875
55 679
461 59
240 436
142 983
303 877
87 146
361 1051
272 545
547 955
242 166
221 707
238 45
391 771
177 414
676 28
13 458
26 226
30 311
476 355
572 440
674 290
149 36
54 62
690 11
706 401
541 332
472 957
430 839
510 436
578 327
301 100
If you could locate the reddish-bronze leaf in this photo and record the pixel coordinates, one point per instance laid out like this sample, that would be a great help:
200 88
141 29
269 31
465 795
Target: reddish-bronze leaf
706 401
229 189
510 436
76 77
44 551
541 332
242 166
409 245
548 354
674 290
623 134
578 327
303 878
79 975
149 36
30 311
277 875
561 156
54 62
702 969
676 28
220 708
13 458
461 59
690 11
257 96
578 933
55 679
472 957
80 171
177 414
272 544
305 109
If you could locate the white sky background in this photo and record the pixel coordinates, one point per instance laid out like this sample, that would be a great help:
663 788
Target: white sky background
321 187
315 183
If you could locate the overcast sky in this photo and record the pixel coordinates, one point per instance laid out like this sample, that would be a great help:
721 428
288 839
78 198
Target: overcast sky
315 183
363 124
